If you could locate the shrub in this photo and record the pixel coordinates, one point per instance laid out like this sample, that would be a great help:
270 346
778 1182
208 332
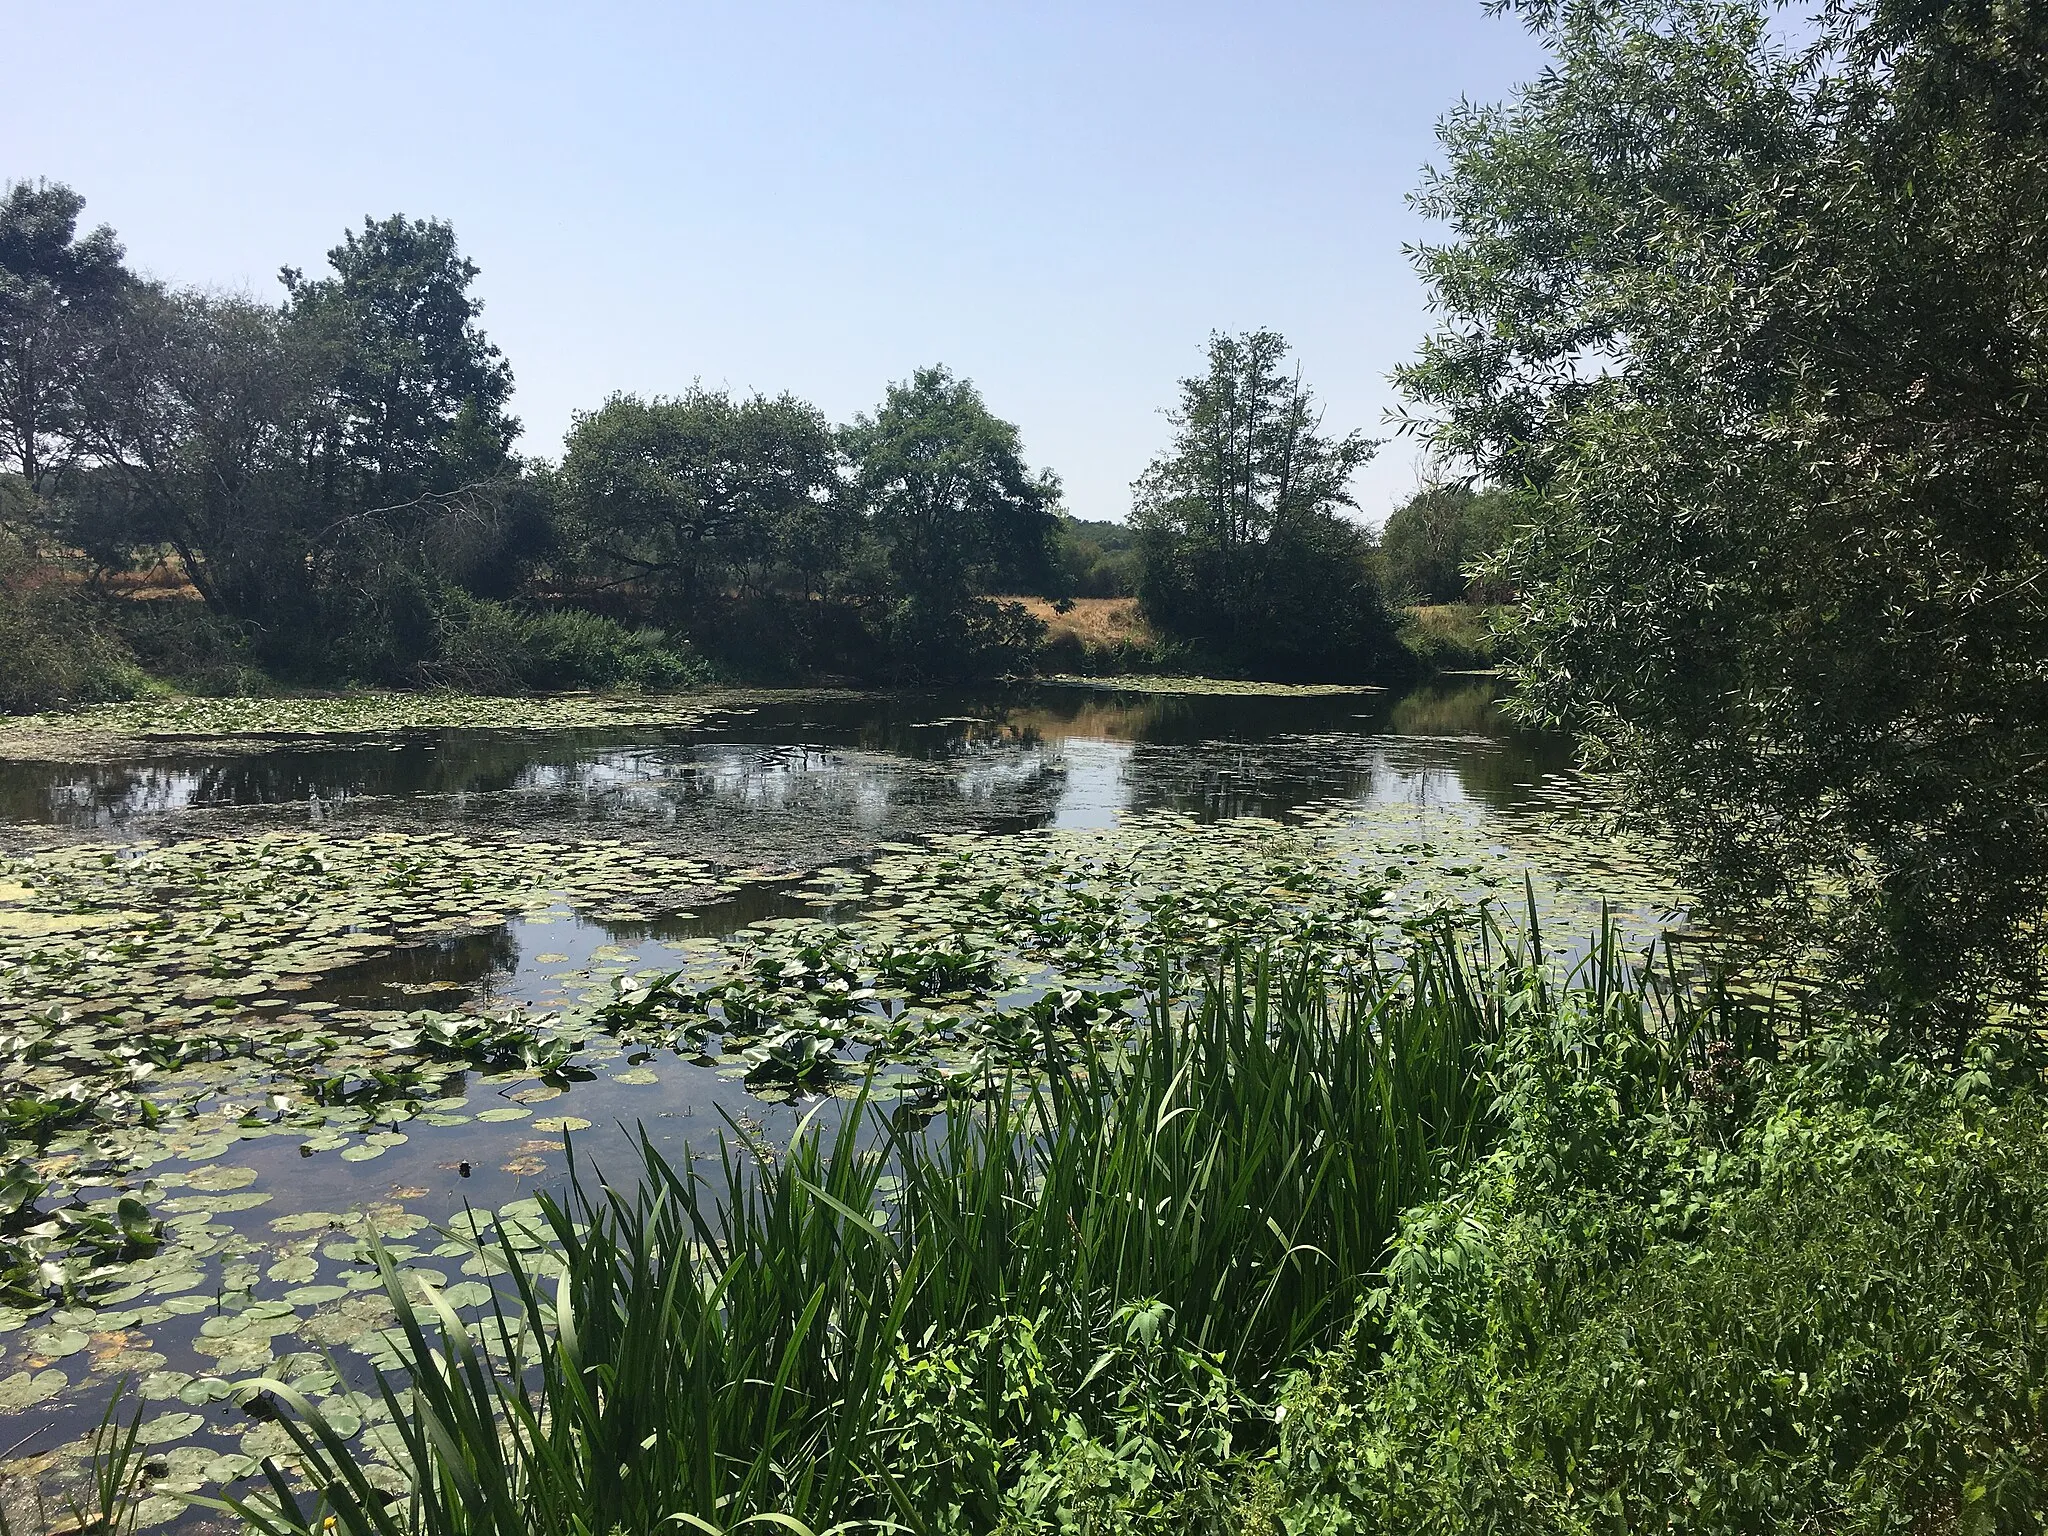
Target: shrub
188 645
1822 1313
1448 636
57 647
490 647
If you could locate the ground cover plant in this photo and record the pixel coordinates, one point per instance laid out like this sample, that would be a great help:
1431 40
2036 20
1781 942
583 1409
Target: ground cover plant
1805 1294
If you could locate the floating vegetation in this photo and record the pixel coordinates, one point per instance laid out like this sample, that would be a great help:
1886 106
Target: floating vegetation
1141 682
109 729
227 1064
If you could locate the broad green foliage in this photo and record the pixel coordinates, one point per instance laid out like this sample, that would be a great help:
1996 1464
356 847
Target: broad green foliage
1245 553
704 496
495 648
1094 559
945 483
1756 338
1795 1296
1434 544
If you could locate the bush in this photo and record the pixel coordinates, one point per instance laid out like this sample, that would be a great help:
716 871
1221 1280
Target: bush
490 647
1445 637
189 646
1815 1310
59 651
958 642
1435 542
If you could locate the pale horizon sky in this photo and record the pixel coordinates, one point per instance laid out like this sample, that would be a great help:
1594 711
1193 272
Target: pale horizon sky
1059 201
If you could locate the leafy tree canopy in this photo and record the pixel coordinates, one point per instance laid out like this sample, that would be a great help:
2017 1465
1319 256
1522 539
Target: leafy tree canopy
946 484
945 487
55 288
703 492
419 393
1760 335
1245 552
1434 543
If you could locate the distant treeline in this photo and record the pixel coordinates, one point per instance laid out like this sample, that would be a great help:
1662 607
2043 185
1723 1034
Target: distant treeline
334 474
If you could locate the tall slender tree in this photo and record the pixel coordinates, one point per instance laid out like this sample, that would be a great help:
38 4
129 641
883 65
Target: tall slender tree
57 288
419 392
1245 551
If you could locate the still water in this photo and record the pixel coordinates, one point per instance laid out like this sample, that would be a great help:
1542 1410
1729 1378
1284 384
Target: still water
819 773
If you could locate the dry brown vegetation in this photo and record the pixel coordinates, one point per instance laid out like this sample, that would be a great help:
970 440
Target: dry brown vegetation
1095 621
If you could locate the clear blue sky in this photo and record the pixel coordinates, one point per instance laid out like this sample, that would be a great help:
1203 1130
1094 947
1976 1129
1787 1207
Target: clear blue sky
1058 200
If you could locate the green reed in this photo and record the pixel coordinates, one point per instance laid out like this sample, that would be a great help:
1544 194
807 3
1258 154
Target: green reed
1119 1249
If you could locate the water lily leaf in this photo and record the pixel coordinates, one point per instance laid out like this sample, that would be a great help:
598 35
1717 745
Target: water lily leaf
221 1177
168 1427
158 1385
24 1389
57 1343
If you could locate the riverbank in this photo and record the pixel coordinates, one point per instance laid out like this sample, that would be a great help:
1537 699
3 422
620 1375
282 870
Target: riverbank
74 648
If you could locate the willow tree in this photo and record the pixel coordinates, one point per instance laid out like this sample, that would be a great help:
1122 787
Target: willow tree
1755 321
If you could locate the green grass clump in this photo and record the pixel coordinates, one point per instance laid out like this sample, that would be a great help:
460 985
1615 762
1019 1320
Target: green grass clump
1062 1305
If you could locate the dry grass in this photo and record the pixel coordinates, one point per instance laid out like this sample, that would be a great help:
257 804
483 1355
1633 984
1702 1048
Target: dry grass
1095 621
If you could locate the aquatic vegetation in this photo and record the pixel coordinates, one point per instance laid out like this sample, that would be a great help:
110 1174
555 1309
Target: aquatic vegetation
511 1040
1145 682
95 729
341 997
1123 1253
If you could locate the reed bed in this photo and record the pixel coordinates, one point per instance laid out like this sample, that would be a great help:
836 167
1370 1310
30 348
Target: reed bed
1080 1283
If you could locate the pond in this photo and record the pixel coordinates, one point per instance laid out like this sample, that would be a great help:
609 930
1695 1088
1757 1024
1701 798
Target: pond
281 981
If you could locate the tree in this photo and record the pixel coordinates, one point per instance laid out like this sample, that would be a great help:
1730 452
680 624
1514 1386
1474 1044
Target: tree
55 290
418 393
202 422
1760 338
1434 541
704 494
945 483
1244 550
